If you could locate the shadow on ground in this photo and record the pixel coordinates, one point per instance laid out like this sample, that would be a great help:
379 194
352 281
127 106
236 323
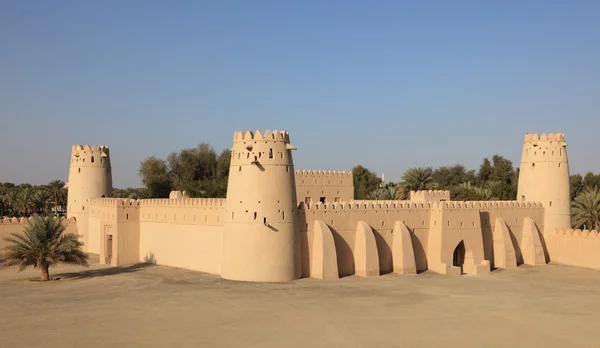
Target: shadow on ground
104 272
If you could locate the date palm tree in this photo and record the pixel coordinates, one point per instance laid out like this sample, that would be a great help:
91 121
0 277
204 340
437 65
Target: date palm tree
58 192
388 193
43 245
12 198
42 201
25 202
586 209
418 178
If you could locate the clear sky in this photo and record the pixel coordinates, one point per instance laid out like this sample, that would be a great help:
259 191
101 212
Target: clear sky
386 84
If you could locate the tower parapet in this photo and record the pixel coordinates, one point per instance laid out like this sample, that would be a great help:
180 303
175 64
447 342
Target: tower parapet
544 176
260 218
89 177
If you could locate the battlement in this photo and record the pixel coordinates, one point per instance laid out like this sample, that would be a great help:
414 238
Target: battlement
405 205
328 173
488 204
534 138
187 202
576 233
114 202
366 205
430 195
23 220
276 135
88 148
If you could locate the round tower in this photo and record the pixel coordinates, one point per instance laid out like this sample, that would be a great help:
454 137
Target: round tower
544 177
260 219
90 176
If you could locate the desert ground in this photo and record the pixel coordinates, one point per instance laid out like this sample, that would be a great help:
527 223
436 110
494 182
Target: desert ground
155 306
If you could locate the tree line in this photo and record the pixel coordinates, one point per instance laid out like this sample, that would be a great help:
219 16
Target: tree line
26 199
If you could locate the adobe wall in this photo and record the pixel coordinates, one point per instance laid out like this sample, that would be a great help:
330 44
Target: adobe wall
575 247
332 186
119 219
430 196
185 233
17 225
421 218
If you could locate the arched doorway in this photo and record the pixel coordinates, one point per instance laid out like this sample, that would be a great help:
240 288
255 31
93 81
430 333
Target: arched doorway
458 258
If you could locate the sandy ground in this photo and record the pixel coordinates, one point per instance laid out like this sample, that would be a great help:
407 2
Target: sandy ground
155 306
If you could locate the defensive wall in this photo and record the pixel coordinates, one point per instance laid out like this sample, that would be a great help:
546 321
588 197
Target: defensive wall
324 186
430 195
182 232
444 224
9 225
575 247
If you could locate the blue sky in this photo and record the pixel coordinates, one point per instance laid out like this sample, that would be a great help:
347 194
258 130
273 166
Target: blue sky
386 84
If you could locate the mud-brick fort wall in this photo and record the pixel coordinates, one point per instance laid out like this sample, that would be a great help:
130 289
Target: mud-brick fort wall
324 186
12 225
575 247
445 223
184 232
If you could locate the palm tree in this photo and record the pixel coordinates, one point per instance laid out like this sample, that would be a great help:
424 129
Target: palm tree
42 199
586 209
58 192
387 193
25 202
12 199
418 178
43 245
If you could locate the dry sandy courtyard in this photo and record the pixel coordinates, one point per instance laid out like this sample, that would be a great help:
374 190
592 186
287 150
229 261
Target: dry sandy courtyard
154 306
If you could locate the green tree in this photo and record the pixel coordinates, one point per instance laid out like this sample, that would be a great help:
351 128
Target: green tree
387 193
449 176
590 180
586 209
485 171
25 203
576 182
155 176
418 178
365 182
43 245
58 194
42 201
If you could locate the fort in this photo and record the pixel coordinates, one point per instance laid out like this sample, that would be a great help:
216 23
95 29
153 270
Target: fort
278 224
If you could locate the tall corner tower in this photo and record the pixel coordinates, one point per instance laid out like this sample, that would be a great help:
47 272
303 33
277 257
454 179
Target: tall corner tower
90 176
260 222
544 177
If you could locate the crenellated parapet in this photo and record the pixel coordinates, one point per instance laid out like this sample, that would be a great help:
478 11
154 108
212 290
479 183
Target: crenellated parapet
534 137
274 136
24 220
183 202
255 149
430 195
90 155
576 233
574 247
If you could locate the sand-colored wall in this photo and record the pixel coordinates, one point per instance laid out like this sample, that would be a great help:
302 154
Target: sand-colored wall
333 186
430 196
342 219
17 225
185 233
575 247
